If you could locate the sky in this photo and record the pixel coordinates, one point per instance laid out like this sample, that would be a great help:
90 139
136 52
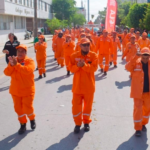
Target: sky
95 6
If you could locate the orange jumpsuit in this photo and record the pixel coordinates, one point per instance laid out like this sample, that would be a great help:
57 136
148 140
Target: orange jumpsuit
129 36
141 100
130 51
104 45
124 41
22 88
68 51
116 45
41 56
59 50
83 86
144 43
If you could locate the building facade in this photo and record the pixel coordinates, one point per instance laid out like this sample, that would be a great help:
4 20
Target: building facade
17 16
81 10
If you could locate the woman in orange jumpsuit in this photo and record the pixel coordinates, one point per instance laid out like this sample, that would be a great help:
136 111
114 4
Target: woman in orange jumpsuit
68 48
40 48
22 88
83 64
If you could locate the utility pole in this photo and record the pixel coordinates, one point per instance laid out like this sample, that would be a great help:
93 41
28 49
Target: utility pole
35 19
88 10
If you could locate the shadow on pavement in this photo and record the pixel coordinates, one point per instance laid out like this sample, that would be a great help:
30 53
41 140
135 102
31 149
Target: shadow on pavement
122 84
98 77
68 143
123 62
53 69
50 56
50 60
4 88
64 88
51 64
11 141
57 79
135 143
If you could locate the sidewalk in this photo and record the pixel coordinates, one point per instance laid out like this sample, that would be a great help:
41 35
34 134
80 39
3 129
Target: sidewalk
28 43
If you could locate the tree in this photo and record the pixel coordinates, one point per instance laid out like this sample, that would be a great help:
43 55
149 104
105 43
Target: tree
64 9
78 19
136 13
145 23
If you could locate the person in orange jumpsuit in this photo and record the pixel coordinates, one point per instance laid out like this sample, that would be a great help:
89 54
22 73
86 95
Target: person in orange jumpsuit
144 41
124 40
116 44
40 48
22 87
131 49
78 44
92 44
68 47
137 36
95 38
140 89
53 39
104 45
83 64
130 34
72 35
58 43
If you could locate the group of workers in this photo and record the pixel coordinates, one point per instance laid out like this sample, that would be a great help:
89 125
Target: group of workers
81 51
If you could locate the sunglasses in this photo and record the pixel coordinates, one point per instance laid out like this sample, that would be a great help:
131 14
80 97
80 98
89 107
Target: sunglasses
84 45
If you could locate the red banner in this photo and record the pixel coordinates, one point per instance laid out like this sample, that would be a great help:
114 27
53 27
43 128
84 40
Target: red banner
111 15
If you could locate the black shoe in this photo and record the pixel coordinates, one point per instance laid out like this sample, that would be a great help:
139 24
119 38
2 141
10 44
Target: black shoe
40 77
55 59
144 128
22 129
105 73
86 127
58 64
110 63
102 70
138 133
68 73
77 129
44 74
33 124
115 66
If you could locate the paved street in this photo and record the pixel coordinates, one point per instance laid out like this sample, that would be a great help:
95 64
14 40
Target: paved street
112 126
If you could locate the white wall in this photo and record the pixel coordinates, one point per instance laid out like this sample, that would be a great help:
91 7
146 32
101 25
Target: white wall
1 6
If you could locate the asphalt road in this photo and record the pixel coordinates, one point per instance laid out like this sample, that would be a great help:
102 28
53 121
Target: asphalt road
112 126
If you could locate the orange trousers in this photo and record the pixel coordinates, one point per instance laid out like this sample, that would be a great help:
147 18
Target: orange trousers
24 107
67 60
141 112
82 107
113 59
106 56
60 58
41 66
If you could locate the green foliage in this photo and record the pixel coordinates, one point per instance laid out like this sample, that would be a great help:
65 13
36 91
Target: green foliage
136 13
55 24
64 9
145 23
78 19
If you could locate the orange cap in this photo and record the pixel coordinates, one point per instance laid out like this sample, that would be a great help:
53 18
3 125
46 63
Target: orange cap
22 46
41 37
68 35
137 32
144 34
88 35
104 31
84 41
132 36
131 29
145 50
82 34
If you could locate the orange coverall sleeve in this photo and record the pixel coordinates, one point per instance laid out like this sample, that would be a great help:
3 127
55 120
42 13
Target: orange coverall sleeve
91 67
26 69
131 64
73 67
9 70
125 52
119 45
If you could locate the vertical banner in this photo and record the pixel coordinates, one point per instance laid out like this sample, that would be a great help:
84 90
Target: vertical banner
111 15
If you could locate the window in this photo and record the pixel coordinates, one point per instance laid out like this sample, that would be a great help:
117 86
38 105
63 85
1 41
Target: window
27 3
45 6
20 1
19 22
16 1
24 2
5 21
31 3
